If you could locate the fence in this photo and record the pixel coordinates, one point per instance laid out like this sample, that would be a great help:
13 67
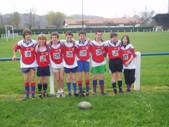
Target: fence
137 83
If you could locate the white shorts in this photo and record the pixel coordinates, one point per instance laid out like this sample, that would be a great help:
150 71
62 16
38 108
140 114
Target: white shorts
55 70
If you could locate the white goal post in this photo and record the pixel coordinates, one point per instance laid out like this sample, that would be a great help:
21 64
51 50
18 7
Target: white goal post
9 31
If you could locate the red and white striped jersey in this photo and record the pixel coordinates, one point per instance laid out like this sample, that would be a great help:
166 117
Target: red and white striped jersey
83 50
69 54
113 49
98 53
128 51
42 57
27 51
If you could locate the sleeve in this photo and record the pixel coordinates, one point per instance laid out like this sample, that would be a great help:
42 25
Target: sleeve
132 50
16 47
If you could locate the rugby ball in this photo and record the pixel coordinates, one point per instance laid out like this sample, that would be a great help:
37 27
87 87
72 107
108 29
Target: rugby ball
85 105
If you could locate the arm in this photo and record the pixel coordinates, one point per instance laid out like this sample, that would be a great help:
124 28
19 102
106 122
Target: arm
132 57
15 49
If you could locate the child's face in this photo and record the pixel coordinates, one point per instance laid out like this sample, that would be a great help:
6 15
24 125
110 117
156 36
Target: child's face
28 37
114 38
54 39
82 37
42 42
98 35
69 38
125 41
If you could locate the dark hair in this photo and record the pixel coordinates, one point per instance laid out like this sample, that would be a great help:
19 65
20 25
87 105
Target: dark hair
127 37
26 31
54 34
82 32
113 34
98 31
69 33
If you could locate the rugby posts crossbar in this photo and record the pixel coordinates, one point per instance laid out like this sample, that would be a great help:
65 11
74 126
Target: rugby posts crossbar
138 69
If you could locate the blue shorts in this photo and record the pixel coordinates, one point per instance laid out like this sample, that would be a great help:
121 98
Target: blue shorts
70 70
83 66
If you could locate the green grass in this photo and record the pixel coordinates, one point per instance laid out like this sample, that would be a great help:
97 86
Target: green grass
146 108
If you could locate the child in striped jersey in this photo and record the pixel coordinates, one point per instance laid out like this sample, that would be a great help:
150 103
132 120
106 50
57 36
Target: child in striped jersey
42 57
56 61
98 62
70 62
129 61
27 61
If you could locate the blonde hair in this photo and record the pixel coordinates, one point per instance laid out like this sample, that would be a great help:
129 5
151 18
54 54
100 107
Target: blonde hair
42 37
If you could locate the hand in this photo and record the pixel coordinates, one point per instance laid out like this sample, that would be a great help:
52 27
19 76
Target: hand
14 57
126 64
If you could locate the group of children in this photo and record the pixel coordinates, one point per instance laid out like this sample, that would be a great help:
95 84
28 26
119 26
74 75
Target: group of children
75 57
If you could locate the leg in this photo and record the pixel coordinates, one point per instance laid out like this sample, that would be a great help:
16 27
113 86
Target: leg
118 77
32 81
45 85
127 78
101 82
56 78
80 82
40 83
131 77
73 77
26 84
87 83
94 83
114 79
68 81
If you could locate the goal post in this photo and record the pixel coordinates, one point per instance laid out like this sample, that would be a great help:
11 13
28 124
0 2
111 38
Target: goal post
9 31
138 71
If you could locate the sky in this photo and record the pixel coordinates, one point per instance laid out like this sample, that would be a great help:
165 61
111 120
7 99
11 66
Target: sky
104 8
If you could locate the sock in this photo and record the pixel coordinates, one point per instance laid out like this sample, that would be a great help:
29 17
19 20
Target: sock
27 89
114 85
69 87
101 82
33 88
39 88
80 87
45 87
74 87
94 86
120 84
87 86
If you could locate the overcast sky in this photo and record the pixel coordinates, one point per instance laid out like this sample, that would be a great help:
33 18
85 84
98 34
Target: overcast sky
105 8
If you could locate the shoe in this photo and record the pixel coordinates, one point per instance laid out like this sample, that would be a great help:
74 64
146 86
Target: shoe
115 91
69 94
94 93
76 94
58 94
120 90
45 94
87 93
25 98
81 95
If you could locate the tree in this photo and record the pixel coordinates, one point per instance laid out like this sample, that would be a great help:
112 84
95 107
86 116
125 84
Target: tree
31 18
1 20
145 17
15 19
56 19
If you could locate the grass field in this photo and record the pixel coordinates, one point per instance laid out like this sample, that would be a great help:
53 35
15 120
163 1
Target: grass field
149 107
